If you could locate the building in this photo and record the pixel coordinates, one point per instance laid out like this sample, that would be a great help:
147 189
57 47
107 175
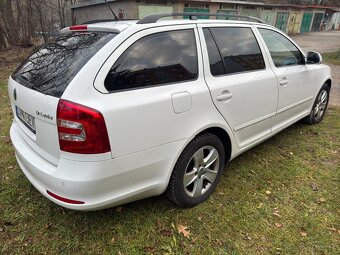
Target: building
289 18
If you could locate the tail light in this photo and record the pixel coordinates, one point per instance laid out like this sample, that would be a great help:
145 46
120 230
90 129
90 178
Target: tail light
78 28
81 129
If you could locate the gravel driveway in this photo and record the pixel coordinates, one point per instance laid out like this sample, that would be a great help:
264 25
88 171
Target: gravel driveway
324 42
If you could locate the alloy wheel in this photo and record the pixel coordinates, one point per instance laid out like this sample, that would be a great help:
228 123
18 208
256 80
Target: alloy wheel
201 171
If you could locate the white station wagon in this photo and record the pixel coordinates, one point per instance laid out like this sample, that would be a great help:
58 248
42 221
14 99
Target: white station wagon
112 112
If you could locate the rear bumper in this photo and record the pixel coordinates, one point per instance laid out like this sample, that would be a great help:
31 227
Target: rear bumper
99 184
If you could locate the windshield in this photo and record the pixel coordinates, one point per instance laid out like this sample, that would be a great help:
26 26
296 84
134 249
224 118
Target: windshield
50 69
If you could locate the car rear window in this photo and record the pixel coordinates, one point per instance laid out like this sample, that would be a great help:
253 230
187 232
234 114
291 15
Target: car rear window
52 67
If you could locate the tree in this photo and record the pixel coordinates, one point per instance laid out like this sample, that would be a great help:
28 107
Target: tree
23 20
297 2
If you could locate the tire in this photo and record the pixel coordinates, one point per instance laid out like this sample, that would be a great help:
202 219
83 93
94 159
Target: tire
319 107
197 171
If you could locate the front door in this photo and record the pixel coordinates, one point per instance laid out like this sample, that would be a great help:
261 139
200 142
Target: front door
295 79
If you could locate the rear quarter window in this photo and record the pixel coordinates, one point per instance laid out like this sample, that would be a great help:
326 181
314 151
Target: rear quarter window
52 67
157 59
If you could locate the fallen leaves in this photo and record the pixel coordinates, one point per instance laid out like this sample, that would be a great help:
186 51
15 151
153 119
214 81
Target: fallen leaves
166 232
268 192
333 229
149 249
113 239
183 230
5 139
321 200
247 237
260 205
314 186
278 224
277 213
46 226
303 233
163 230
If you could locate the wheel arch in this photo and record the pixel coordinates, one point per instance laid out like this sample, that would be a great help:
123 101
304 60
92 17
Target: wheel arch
223 136
172 181
329 83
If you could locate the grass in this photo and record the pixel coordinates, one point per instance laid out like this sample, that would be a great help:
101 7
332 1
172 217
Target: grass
331 58
241 217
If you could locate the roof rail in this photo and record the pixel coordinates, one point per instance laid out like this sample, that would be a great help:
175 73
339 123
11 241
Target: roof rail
153 18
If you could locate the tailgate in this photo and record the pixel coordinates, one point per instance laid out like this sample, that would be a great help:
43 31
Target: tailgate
38 83
35 115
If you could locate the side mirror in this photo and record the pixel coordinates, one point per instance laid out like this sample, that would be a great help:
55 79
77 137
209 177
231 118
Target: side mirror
313 57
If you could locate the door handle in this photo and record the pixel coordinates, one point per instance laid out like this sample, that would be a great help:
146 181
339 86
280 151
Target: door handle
224 97
284 81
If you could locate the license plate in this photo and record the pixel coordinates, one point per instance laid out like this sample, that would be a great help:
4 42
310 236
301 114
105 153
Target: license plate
26 118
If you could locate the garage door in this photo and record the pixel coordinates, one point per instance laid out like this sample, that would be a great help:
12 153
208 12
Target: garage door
268 17
145 10
232 12
306 21
317 22
252 13
281 21
294 22
199 10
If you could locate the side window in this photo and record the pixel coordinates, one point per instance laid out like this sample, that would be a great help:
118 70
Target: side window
215 60
238 48
283 51
155 59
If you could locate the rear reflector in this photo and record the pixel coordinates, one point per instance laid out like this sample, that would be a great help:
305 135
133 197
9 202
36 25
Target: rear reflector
78 28
81 129
65 200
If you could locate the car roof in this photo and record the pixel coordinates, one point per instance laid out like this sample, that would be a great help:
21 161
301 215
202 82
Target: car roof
119 26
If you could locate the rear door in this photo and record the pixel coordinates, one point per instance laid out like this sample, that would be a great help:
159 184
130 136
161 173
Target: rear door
39 82
242 85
